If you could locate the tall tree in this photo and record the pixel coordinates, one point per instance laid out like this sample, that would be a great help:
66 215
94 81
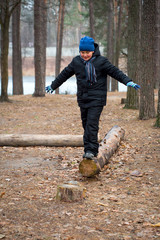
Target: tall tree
119 7
16 52
59 38
118 24
133 51
157 45
40 41
6 10
80 20
147 106
158 59
110 42
91 18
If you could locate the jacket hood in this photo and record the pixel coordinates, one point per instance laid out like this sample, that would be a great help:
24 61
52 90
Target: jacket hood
96 51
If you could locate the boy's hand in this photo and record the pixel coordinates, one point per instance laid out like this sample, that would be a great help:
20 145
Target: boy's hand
49 89
134 85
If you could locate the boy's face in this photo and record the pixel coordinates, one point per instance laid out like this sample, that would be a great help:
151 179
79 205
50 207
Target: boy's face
86 55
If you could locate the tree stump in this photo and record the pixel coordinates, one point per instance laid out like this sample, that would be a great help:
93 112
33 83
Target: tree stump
71 191
108 146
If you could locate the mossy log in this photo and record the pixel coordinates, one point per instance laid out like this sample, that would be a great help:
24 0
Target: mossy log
25 140
108 146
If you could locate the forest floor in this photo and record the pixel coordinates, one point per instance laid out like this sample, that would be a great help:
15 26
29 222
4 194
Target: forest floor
121 203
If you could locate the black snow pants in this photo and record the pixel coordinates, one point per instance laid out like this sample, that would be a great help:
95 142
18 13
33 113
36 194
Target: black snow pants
90 121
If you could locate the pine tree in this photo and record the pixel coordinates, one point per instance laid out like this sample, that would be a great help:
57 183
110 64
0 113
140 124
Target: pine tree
40 41
133 52
16 52
147 106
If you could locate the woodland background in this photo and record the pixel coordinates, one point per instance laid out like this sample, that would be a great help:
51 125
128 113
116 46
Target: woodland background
122 27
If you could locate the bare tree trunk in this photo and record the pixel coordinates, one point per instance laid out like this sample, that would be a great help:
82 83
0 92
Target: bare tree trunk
80 24
6 9
16 54
118 36
40 41
118 23
4 60
147 106
139 78
158 60
91 18
110 42
157 78
59 39
4 50
113 82
133 52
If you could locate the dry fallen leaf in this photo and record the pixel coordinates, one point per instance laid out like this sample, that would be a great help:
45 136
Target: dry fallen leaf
156 225
2 236
1 195
136 173
102 204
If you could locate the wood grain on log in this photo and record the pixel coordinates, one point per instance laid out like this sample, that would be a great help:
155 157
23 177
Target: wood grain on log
24 140
71 191
108 146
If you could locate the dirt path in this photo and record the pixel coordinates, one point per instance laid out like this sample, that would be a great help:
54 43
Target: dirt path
120 204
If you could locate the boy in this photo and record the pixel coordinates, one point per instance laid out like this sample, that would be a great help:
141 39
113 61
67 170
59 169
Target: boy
91 70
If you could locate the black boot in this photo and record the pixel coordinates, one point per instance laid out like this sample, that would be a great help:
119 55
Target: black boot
89 155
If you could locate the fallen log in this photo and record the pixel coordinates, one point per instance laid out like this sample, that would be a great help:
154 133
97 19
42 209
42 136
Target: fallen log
108 146
25 140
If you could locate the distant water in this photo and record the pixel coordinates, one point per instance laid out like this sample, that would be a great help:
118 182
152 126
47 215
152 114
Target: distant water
68 87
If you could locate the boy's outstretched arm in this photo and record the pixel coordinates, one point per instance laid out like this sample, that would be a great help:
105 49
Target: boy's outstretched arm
117 74
66 73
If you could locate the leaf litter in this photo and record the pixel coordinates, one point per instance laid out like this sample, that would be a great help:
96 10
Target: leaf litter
122 202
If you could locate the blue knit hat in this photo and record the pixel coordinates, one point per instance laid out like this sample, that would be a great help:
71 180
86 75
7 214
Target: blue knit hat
86 44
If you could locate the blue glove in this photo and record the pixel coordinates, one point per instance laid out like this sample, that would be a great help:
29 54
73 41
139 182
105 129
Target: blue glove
134 85
49 89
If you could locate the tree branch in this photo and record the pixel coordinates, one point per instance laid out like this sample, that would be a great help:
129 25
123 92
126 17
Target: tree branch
14 6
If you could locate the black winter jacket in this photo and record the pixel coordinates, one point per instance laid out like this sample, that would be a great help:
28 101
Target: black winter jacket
94 95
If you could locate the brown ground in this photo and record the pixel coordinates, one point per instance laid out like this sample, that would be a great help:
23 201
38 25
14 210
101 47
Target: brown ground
120 203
